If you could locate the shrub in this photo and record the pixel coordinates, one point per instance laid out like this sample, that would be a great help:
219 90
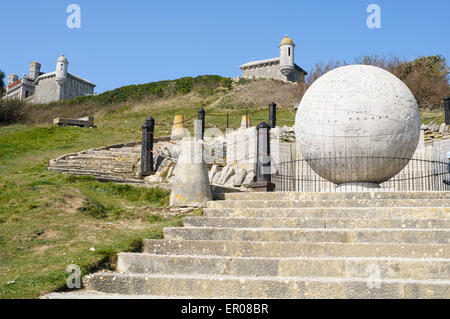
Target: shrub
426 77
94 209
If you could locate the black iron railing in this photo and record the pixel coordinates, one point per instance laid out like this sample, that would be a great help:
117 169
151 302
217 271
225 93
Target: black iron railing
330 174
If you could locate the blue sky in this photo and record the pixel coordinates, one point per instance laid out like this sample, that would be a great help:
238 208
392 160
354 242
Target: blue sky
139 41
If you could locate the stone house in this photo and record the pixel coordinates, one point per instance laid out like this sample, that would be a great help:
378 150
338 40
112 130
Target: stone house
39 87
280 68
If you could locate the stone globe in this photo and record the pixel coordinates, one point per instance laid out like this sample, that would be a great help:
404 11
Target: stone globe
357 124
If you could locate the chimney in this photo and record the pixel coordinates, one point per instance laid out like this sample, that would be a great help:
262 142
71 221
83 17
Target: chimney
35 69
12 78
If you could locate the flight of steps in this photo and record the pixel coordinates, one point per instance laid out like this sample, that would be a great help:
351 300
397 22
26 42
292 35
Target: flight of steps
293 245
118 163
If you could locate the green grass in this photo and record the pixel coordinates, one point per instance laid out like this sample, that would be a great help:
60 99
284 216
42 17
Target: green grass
48 220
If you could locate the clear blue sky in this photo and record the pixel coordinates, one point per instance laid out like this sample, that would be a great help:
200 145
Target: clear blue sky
139 41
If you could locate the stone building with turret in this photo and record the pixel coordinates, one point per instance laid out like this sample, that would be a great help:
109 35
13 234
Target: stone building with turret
39 87
280 68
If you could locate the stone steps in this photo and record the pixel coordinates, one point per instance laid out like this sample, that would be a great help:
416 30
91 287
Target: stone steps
96 158
335 196
118 163
292 249
205 286
312 222
329 203
87 171
107 166
387 268
367 235
294 245
333 212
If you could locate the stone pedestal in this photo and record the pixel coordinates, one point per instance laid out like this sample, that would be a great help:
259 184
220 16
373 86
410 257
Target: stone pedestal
191 187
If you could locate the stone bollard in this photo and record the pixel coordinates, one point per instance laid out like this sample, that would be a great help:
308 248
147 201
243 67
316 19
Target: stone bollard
263 164
447 110
178 128
148 129
273 114
190 187
245 122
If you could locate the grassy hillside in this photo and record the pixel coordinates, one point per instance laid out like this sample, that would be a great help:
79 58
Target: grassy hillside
48 220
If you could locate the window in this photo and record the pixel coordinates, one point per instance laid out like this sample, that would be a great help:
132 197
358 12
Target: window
289 51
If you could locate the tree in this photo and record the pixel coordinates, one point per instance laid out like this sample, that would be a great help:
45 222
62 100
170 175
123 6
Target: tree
426 77
2 82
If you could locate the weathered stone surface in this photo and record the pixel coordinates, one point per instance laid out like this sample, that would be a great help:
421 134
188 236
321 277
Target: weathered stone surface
377 118
251 245
153 179
171 170
248 178
225 175
190 186
239 177
216 177
212 172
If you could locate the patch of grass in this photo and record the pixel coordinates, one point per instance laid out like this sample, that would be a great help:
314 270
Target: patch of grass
94 209
152 218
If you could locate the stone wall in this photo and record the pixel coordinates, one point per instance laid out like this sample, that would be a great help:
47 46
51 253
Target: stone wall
271 71
75 87
46 91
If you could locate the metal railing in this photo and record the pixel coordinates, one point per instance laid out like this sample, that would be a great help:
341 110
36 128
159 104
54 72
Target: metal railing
325 174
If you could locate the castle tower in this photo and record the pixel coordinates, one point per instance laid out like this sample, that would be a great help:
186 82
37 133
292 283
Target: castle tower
61 70
35 69
287 56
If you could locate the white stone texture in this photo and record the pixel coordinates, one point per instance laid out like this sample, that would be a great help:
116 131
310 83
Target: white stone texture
242 147
216 177
239 178
190 186
248 178
226 174
212 172
357 110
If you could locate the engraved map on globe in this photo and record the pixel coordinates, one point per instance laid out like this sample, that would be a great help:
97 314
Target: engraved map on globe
353 113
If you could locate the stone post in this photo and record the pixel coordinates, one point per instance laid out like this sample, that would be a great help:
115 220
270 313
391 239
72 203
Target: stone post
273 114
447 110
263 164
200 129
148 129
246 119
190 187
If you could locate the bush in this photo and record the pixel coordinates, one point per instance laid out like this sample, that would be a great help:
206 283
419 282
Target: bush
14 111
426 77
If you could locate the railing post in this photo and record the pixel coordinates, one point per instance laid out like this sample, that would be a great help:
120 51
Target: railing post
273 114
263 164
148 129
201 124
447 110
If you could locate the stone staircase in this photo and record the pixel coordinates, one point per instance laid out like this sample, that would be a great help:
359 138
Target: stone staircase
293 245
118 163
